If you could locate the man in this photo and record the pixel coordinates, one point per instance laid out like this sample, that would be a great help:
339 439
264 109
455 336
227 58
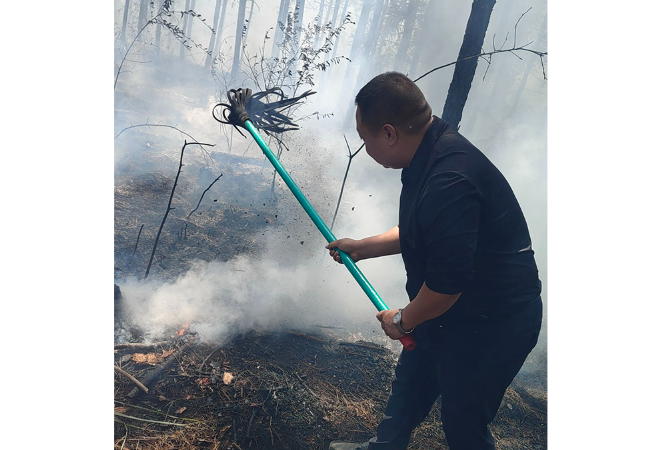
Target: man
475 309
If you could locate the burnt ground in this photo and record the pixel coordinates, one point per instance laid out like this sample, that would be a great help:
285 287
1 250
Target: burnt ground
287 390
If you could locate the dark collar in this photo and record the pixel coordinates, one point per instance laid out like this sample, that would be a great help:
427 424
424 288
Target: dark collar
421 156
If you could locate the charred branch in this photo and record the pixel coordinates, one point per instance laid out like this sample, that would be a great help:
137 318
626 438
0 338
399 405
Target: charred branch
169 208
132 378
346 173
202 196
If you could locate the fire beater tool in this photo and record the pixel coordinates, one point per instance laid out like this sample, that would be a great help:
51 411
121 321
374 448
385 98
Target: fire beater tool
242 104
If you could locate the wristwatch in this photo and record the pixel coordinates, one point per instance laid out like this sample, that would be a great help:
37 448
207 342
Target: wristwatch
397 321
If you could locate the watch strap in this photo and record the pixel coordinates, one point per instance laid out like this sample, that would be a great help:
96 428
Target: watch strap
398 325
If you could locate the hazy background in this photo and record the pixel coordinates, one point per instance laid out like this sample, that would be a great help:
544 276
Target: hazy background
295 285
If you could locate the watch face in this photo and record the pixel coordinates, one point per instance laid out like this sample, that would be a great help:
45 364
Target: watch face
397 317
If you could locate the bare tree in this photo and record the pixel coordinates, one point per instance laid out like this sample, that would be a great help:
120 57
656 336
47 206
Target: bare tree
212 38
170 208
411 12
357 43
464 71
182 48
219 30
282 18
238 41
127 5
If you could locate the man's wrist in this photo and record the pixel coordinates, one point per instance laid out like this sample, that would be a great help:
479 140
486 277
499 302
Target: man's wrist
403 323
398 321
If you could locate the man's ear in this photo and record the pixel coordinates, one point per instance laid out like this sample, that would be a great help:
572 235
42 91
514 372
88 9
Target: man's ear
391 133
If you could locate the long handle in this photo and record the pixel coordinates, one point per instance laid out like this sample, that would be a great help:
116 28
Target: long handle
407 341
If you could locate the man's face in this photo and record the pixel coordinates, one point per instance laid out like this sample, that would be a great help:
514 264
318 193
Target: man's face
376 146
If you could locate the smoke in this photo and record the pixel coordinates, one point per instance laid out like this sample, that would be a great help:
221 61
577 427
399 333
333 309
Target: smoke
292 283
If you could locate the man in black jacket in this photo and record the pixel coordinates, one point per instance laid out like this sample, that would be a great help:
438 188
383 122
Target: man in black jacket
475 309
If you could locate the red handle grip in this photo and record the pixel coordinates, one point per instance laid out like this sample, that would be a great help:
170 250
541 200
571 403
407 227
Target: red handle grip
408 342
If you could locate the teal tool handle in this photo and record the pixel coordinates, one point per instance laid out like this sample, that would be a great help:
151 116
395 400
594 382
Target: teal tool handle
407 341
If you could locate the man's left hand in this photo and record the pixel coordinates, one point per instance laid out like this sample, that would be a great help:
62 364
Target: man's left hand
385 317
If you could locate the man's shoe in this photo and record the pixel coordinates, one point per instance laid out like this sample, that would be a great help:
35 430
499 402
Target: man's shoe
339 445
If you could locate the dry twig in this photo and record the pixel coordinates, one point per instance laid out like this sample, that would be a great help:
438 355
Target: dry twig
132 378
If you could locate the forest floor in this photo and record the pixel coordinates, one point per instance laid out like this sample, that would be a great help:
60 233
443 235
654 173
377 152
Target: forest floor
296 389
286 390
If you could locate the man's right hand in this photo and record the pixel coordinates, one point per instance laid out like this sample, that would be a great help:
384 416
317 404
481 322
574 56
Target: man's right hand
350 246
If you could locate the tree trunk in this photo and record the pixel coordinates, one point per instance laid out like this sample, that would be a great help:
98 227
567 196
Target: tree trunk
464 71
282 19
189 32
238 41
182 48
127 4
142 15
366 71
357 41
401 60
249 21
376 26
317 38
157 41
212 38
219 30
326 73
427 22
298 25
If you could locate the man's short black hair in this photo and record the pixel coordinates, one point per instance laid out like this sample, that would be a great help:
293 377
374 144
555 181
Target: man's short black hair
393 98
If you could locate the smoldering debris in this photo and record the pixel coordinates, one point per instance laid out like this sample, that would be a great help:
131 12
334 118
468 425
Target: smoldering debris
285 390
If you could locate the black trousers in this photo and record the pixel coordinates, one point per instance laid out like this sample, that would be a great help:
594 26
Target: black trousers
470 366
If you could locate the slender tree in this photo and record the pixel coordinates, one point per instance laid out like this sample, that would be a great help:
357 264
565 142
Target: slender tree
182 48
428 22
142 15
464 70
326 73
298 24
356 47
238 41
282 21
212 38
401 60
249 21
319 22
219 29
127 4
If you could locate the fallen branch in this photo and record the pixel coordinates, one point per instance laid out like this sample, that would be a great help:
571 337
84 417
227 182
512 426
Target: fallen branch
357 344
132 378
138 346
155 376
209 356
150 421
306 336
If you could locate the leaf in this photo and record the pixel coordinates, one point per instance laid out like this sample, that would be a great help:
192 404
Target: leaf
121 409
180 410
227 377
149 358
203 381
